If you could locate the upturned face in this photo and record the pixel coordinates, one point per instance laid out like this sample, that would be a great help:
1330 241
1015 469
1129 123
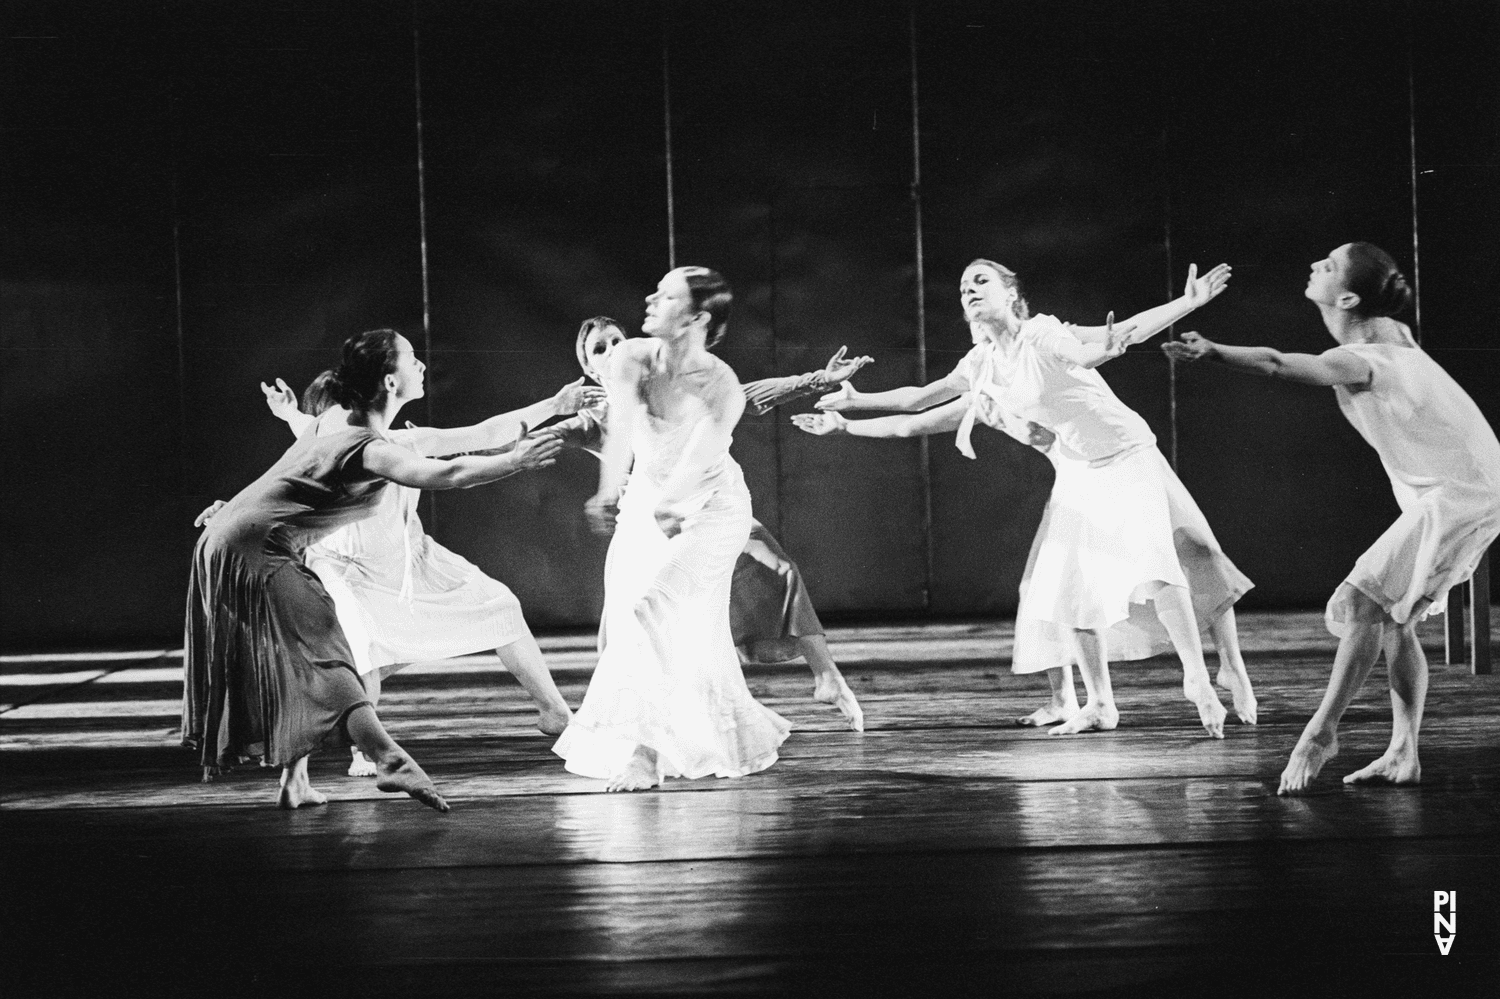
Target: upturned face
985 297
597 346
407 382
1325 283
669 309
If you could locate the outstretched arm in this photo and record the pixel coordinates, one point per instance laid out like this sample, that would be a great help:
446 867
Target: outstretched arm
934 421
396 463
500 430
282 402
1332 367
768 393
1090 354
908 399
1198 292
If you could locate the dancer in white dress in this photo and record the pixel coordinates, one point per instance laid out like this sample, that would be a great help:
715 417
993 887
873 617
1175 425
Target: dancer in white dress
1120 531
1444 464
771 616
400 596
667 698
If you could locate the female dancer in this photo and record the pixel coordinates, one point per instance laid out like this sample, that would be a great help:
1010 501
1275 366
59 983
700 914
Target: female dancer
269 673
770 614
668 698
1444 464
1119 530
402 597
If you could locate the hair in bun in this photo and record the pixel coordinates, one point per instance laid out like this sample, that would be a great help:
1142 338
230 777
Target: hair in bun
1373 276
358 383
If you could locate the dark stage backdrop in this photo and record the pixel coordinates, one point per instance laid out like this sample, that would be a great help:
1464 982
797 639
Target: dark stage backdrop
198 197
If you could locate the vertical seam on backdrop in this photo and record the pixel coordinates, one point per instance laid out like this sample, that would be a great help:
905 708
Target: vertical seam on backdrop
416 56
666 105
924 450
1411 119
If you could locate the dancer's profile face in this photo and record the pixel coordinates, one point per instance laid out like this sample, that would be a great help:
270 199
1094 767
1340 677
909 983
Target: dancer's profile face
597 346
984 295
669 309
408 374
1326 281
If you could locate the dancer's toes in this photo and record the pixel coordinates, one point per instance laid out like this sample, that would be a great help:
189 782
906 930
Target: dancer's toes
640 774
1093 718
1395 767
830 688
1049 714
552 722
296 792
1238 685
399 773
1303 765
361 765
1212 714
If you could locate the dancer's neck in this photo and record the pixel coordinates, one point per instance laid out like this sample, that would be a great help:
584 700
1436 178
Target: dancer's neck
686 352
1000 331
1347 327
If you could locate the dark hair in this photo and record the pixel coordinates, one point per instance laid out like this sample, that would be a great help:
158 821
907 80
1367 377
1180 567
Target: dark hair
1372 274
318 396
711 294
589 326
358 383
1009 279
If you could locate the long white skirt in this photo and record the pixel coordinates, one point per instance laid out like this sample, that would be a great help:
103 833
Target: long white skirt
668 676
454 608
1433 546
1110 535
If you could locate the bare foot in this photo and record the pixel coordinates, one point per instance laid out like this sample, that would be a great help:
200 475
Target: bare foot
1210 712
640 774
1305 762
830 688
399 772
295 790
1397 766
553 722
361 765
1049 714
1093 718
1237 682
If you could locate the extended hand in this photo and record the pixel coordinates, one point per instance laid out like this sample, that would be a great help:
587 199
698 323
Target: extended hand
534 452
821 424
575 396
601 512
839 399
1116 338
1191 347
281 400
1202 290
840 369
208 514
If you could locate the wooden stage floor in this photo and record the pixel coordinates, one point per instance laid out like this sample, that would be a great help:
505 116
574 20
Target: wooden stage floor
941 852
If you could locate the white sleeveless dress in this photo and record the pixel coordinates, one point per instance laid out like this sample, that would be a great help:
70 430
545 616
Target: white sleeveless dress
668 676
1444 464
1119 520
401 597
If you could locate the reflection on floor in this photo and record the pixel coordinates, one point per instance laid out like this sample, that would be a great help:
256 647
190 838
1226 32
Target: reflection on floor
943 851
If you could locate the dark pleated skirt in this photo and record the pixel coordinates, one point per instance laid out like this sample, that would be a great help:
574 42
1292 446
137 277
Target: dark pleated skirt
769 610
268 674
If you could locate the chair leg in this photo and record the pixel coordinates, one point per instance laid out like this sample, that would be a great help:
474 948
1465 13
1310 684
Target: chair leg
1479 619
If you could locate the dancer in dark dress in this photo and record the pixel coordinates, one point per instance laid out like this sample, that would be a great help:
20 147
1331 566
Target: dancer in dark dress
269 675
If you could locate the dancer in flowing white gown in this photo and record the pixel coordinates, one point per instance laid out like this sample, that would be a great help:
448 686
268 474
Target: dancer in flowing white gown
402 597
667 698
1444 464
771 616
1124 565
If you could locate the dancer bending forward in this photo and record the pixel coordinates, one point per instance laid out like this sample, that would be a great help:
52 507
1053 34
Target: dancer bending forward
1120 531
1444 464
269 673
402 597
770 614
667 698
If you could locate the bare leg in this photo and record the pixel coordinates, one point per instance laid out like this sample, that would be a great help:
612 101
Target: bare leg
296 791
1407 666
1099 714
1063 704
1232 675
828 683
395 769
1358 650
523 658
1174 609
640 773
361 765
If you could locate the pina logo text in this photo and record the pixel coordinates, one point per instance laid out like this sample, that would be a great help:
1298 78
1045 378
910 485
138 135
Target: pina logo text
1445 927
